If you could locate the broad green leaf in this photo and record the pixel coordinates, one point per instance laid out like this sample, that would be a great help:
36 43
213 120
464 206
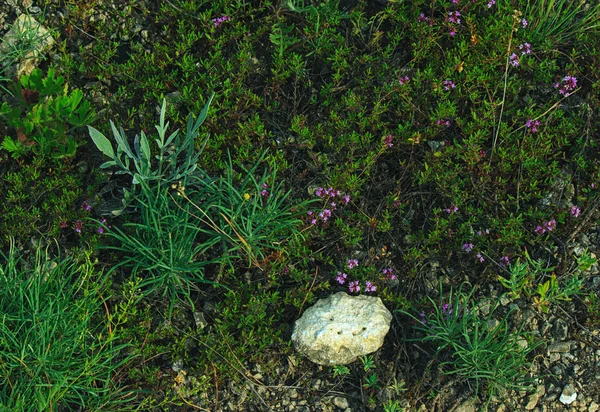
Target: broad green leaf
101 142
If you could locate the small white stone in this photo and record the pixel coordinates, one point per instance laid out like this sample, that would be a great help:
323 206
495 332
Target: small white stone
568 395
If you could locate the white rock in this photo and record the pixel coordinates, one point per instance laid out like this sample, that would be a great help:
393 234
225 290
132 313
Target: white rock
568 395
339 329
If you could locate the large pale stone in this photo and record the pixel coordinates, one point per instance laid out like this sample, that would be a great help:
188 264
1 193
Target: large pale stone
339 329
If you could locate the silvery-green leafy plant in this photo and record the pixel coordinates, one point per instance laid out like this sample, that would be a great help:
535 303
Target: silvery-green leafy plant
167 168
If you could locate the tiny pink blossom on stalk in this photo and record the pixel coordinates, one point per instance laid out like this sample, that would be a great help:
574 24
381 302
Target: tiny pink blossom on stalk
389 274
448 84
467 247
454 17
370 287
341 278
352 263
524 23
403 80
575 211
532 125
452 209
354 286
525 48
550 226
388 140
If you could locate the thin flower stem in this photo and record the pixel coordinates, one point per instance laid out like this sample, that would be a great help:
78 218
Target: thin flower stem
516 16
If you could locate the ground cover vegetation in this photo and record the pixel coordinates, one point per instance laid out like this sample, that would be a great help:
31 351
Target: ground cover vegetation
180 179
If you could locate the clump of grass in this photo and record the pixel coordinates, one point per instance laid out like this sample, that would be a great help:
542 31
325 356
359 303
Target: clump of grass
480 348
57 350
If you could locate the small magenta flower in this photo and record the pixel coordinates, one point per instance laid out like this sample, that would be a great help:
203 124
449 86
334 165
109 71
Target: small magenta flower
346 199
442 122
352 263
514 60
423 318
455 1
448 84
452 209
532 125
540 230
504 261
454 17
78 226
341 278
524 23
370 287
388 140
100 228
467 247
354 286
575 211
403 80
525 48
491 3
422 18
86 206
452 32
550 226
389 274
480 257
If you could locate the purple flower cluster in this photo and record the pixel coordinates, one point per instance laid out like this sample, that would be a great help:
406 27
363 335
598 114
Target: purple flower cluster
442 122
524 23
525 48
354 286
403 80
532 125
329 195
452 209
78 224
264 192
454 17
423 19
575 211
504 261
341 277
546 226
567 85
467 247
514 60
491 3
389 274
448 84
217 21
